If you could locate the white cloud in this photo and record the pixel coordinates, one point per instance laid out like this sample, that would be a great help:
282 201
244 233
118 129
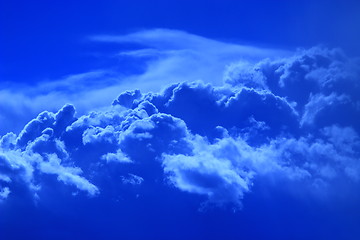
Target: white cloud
206 172
181 56
319 102
119 156
4 193
68 175
132 179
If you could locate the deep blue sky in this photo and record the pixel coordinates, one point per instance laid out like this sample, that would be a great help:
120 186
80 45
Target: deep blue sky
45 39
180 119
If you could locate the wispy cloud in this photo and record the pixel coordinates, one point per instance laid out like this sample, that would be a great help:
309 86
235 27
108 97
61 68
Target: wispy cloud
181 56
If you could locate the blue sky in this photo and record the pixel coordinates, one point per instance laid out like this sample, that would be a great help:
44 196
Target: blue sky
179 120
46 39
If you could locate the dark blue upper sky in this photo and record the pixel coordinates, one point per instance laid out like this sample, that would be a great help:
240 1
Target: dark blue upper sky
45 39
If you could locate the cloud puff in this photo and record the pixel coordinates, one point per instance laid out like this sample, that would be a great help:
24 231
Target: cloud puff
132 179
36 151
273 121
322 82
209 170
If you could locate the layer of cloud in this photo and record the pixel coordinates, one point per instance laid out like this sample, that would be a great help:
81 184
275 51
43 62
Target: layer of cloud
271 121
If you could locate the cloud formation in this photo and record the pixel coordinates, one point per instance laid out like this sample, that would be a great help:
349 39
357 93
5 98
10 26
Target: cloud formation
291 120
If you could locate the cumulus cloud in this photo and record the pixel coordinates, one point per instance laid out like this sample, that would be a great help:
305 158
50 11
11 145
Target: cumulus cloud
119 156
4 193
132 179
210 171
322 82
274 121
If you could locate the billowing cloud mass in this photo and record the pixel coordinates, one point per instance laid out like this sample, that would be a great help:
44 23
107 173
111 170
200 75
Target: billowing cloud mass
292 122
